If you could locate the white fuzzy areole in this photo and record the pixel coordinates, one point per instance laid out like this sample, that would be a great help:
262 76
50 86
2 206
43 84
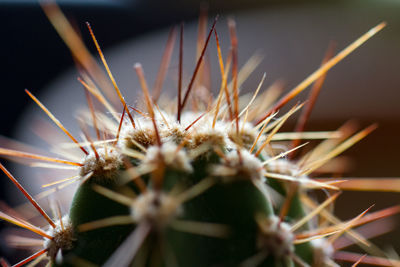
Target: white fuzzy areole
245 163
322 253
202 132
283 166
168 153
63 237
142 134
157 208
276 237
245 136
105 167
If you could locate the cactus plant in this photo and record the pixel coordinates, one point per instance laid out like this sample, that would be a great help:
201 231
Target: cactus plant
203 187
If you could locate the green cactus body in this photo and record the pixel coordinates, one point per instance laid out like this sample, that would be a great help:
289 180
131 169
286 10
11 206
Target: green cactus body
87 206
234 196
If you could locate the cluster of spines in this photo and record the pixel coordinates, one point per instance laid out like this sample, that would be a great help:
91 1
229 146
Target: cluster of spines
211 173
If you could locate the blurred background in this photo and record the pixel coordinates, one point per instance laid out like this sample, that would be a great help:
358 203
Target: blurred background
292 37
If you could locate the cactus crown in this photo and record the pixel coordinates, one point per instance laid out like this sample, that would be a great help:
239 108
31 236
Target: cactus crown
206 187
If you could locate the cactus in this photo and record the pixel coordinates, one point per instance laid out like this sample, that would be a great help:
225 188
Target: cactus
201 187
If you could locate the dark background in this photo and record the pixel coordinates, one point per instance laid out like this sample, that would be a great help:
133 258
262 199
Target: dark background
32 54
